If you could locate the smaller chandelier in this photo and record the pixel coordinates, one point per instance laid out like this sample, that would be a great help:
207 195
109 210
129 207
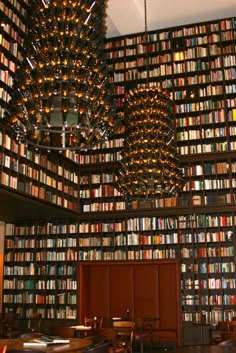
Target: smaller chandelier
62 96
149 165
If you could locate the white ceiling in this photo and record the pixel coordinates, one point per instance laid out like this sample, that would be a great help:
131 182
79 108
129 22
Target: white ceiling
127 16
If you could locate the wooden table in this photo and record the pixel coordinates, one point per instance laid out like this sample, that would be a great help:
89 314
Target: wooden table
75 345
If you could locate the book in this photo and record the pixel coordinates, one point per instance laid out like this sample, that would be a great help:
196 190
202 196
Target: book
46 341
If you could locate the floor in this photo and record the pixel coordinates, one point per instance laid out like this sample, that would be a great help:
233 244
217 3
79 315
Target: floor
156 348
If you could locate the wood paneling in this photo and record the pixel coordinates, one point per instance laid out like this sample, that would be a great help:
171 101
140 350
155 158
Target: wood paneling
146 296
148 290
121 290
168 295
98 290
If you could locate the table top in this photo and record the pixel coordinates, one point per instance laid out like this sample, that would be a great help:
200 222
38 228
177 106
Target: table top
75 345
82 328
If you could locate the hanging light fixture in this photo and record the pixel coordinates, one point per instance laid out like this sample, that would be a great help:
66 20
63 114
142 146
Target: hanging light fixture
149 164
63 98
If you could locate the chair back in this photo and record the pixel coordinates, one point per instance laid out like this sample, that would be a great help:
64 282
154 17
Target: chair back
123 324
125 333
34 322
227 335
231 325
95 322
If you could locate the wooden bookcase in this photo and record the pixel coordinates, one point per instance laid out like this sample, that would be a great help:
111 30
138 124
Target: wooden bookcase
41 176
196 63
13 14
40 270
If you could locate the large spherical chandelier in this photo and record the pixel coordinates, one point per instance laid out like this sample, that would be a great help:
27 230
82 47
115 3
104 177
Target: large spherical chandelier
63 98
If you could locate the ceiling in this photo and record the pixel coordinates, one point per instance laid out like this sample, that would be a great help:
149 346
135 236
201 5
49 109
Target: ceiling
127 16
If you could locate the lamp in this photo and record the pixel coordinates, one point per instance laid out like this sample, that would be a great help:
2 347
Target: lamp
149 164
63 98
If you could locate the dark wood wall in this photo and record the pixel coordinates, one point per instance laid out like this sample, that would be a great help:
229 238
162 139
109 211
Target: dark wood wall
147 289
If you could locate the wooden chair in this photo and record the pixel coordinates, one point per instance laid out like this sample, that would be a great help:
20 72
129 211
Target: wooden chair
12 327
95 322
227 335
34 322
125 334
231 326
216 334
111 335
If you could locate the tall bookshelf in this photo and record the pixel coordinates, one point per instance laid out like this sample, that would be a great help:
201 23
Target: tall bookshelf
12 33
40 176
40 270
196 63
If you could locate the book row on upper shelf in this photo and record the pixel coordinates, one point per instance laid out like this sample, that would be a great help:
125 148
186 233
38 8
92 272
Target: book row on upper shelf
211 57
207 90
17 20
202 283
195 33
93 254
127 224
64 312
159 74
208 317
216 267
214 118
207 300
193 199
213 240
215 66
188 221
30 284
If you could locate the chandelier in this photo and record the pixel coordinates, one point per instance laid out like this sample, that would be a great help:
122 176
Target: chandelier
62 96
149 165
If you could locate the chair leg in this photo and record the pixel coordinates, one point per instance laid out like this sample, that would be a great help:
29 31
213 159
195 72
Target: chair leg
141 345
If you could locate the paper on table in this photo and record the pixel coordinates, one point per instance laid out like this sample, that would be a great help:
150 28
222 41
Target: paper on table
46 341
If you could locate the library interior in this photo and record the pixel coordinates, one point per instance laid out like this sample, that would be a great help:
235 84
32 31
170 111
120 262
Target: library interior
117 179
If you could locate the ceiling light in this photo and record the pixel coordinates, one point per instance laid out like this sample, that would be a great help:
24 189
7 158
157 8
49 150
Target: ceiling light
63 98
149 165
